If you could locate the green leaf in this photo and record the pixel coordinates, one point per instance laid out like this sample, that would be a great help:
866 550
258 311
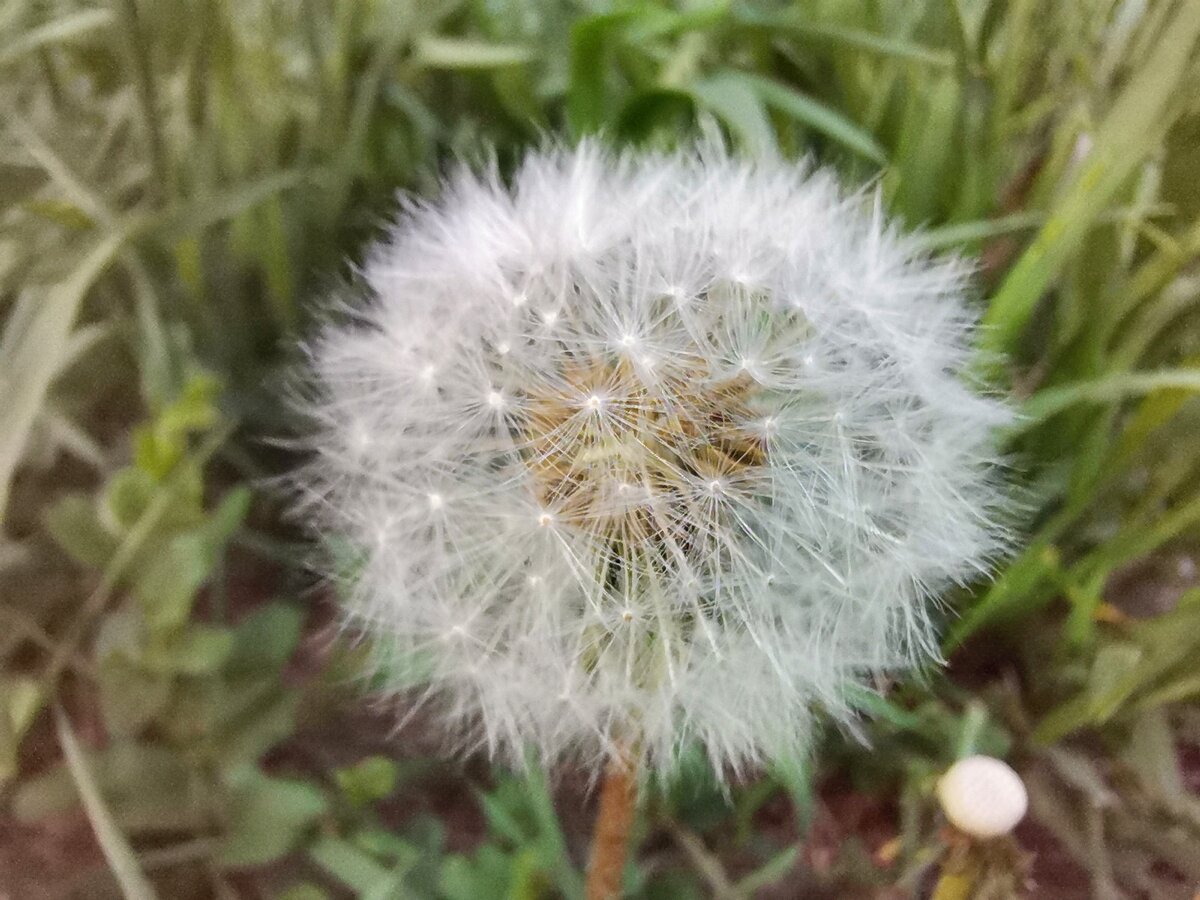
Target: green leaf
589 100
460 53
305 891
357 870
254 717
130 697
75 525
651 110
815 115
769 872
264 641
168 583
268 816
367 780
196 650
20 700
127 495
796 774
485 876
737 102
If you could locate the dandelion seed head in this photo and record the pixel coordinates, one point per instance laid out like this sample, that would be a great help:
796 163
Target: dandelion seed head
726 453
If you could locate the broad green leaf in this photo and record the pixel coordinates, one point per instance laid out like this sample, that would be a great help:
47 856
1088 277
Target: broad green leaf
367 780
357 870
254 717
484 876
74 524
268 816
170 579
264 640
196 650
130 696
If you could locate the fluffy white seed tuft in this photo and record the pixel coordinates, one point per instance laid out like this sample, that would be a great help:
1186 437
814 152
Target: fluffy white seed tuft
675 444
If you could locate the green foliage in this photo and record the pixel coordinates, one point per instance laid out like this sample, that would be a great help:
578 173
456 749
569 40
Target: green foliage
182 181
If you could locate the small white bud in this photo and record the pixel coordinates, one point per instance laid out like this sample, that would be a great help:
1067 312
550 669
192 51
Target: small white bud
983 796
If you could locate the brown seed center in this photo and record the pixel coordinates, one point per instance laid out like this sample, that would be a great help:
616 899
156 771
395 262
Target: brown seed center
625 460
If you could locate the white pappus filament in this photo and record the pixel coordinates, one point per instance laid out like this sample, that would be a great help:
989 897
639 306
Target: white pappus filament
678 440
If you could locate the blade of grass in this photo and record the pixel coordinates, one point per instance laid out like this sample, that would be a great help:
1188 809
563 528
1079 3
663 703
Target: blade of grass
802 27
1051 401
137 49
80 194
736 102
959 233
55 34
1131 130
117 852
194 216
592 40
458 53
557 860
31 360
815 115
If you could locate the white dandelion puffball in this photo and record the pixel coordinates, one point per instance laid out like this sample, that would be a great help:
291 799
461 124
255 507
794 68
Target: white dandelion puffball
648 448
983 796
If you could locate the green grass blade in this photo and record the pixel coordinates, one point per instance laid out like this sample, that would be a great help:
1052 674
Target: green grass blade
31 360
55 34
804 28
457 53
117 852
734 100
815 115
588 101
1051 401
1131 130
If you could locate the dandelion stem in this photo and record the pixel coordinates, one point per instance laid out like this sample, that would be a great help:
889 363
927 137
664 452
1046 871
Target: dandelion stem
614 821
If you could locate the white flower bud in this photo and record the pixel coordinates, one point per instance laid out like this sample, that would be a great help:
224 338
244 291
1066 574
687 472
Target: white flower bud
983 796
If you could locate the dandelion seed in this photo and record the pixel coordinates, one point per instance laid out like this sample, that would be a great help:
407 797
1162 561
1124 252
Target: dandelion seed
772 482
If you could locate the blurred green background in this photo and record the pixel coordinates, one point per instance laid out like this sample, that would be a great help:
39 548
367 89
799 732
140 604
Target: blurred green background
184 183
